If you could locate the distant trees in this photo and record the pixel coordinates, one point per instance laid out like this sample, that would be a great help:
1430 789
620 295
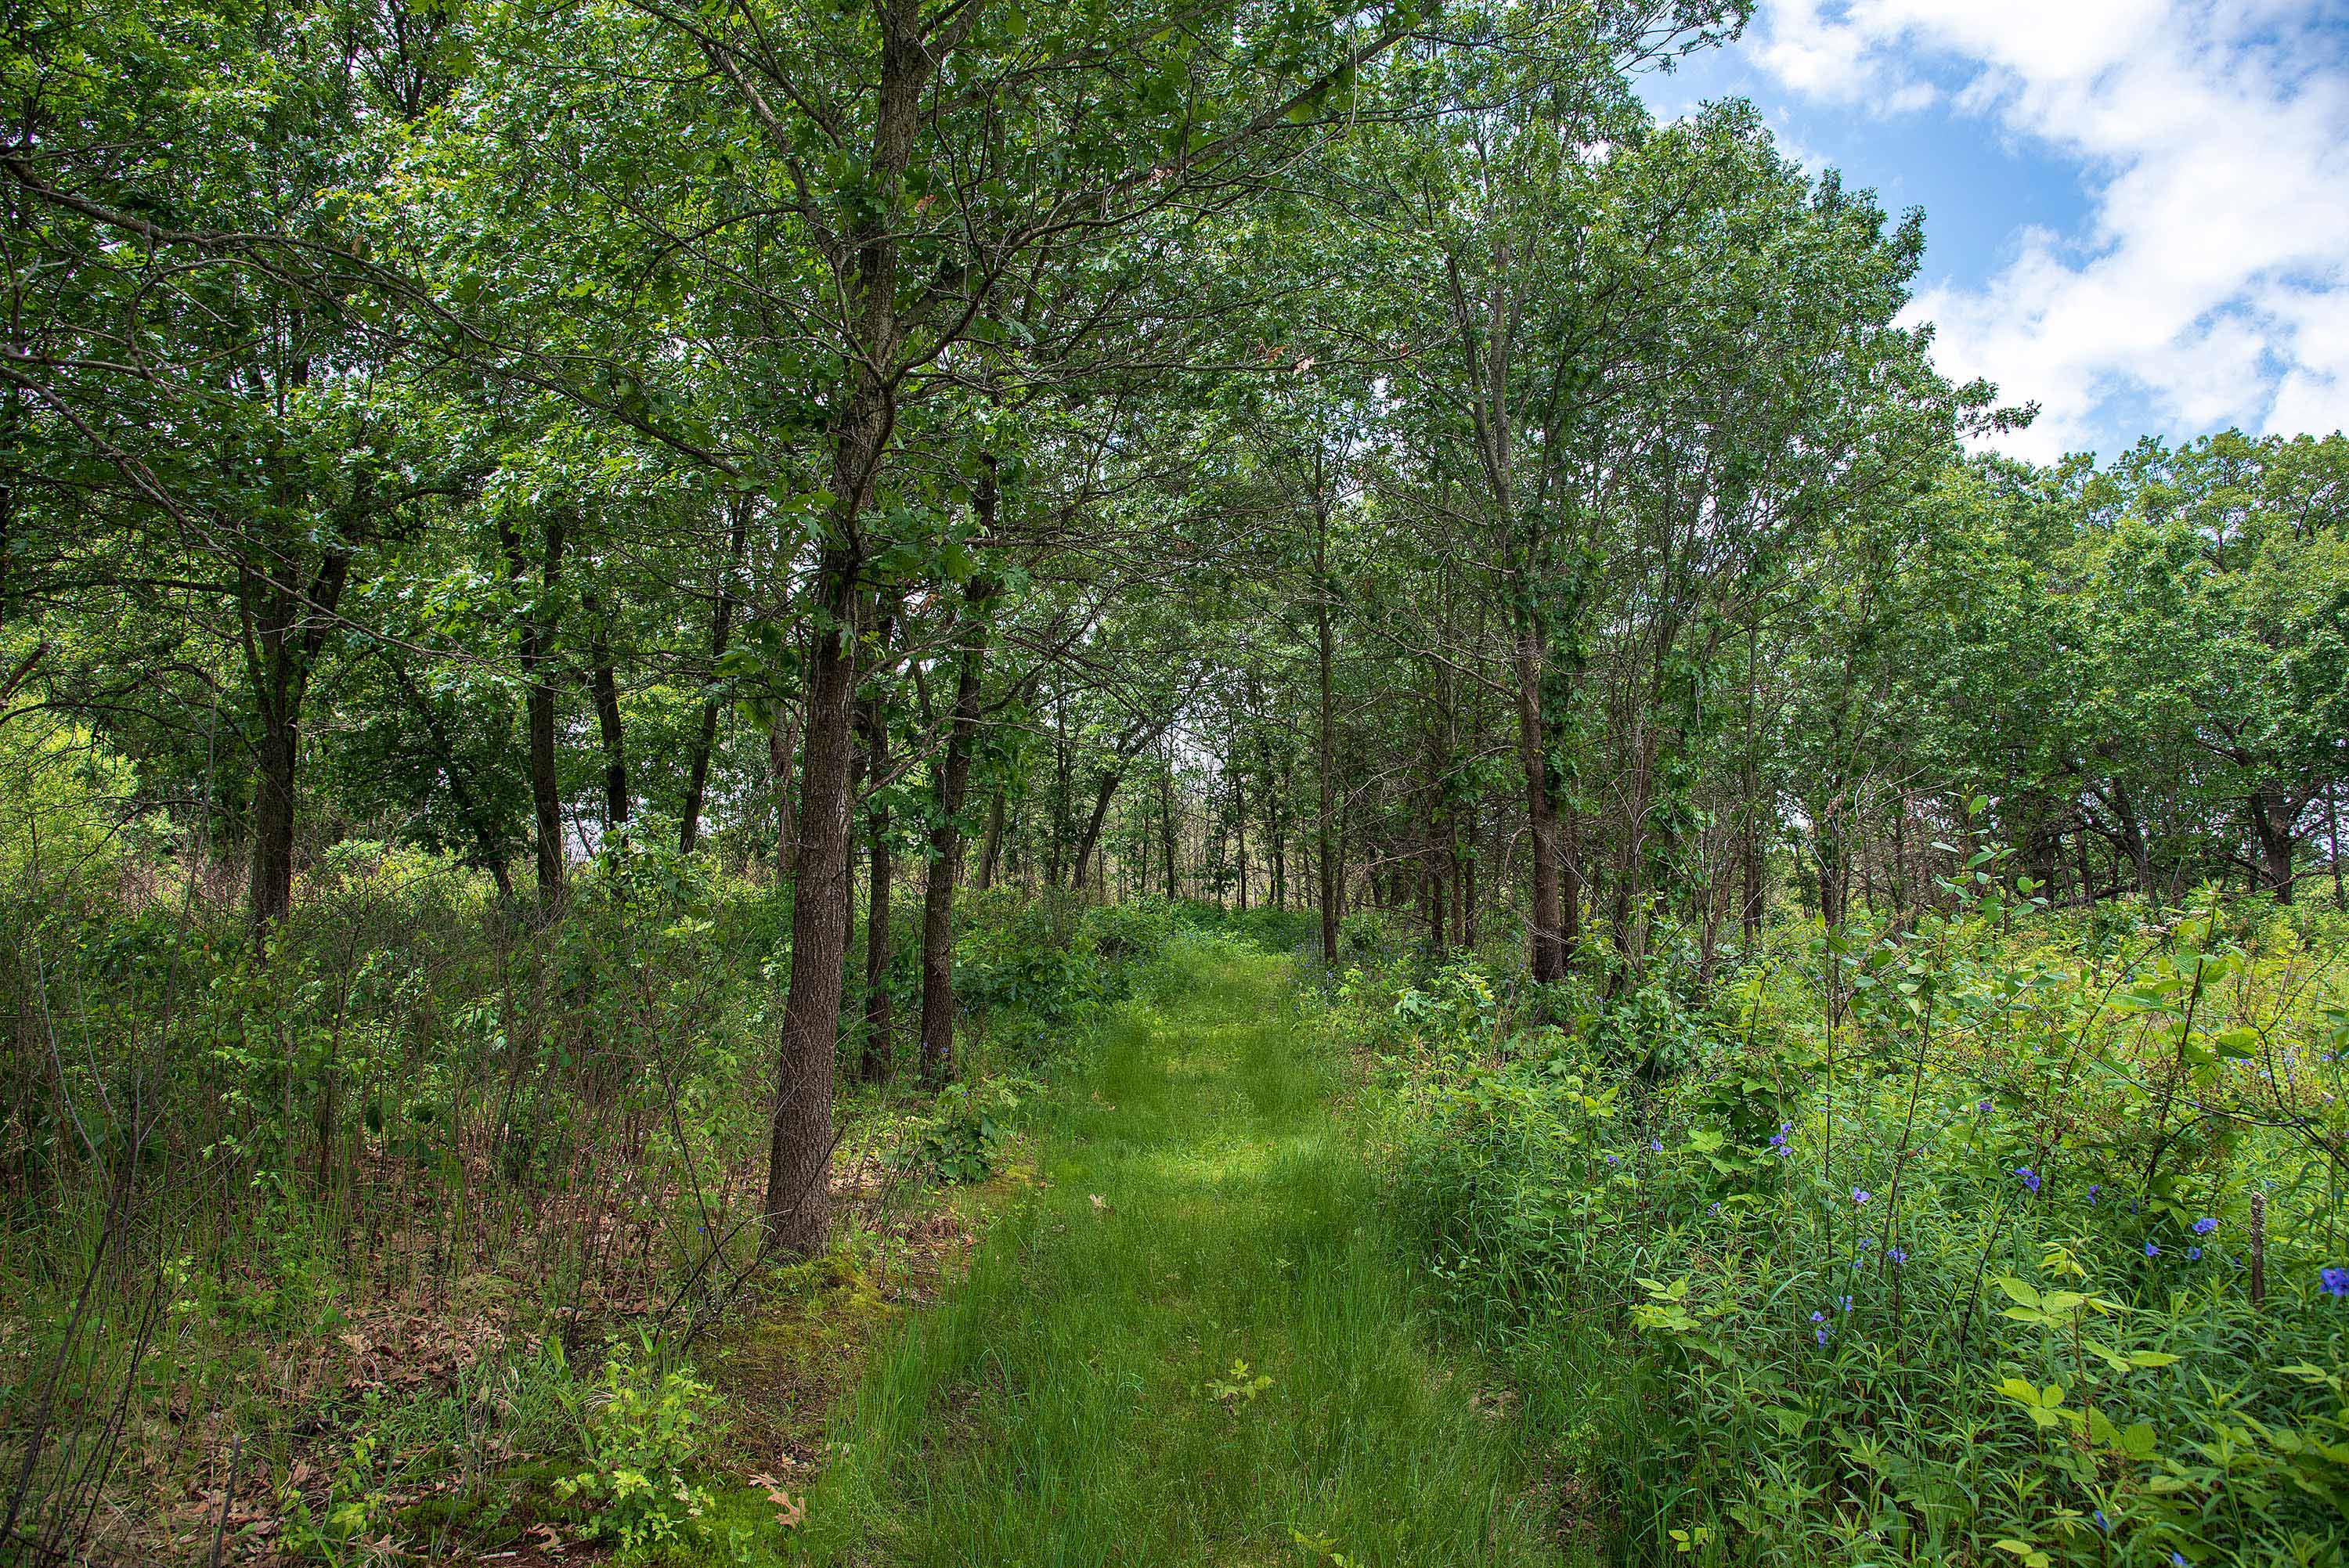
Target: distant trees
1321 458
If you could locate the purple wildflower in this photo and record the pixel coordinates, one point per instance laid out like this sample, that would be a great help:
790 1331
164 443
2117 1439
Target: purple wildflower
2194 1255
2152 1250
2030 1177
1821 1335
2334 1282
2093 1188
1899 1255
1984 1107
1655 1146
1614 1159
1861 1194
2205 1225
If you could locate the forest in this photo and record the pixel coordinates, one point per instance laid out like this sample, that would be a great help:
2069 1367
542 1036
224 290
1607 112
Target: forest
1195 782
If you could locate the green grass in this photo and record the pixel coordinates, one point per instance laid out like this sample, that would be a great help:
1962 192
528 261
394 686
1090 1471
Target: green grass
1056 1411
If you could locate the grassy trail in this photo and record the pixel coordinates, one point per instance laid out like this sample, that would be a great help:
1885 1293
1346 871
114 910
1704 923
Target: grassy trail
1203 1205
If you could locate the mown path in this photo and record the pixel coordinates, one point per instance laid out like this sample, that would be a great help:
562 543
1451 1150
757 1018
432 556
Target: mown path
1203 1205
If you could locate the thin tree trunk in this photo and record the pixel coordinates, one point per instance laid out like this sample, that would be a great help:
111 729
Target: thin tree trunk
606 686
705 741
1102 791
946 833
1333 881
538 705
782 761
990 847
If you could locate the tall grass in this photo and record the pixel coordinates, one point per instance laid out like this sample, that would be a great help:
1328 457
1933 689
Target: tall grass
1998 1237
1193 1344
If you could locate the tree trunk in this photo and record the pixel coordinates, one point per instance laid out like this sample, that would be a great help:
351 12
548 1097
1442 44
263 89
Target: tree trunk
1166 823
1239 824
1547 936
285 629
946 832
782 761
867 775
1332 882
538 702
705 741
2273 821
606 686
990 847
1104 788
880 1022
798 1158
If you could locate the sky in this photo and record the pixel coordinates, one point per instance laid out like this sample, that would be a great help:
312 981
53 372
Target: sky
2136 210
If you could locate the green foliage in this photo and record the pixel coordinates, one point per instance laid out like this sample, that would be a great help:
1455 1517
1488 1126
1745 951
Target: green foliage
965 1138
1918 1245
643 1429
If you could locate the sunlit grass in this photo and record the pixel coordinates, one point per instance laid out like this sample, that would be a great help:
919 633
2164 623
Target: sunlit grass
1076 1400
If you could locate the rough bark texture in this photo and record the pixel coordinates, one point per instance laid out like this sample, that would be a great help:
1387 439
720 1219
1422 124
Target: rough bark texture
285 629
705 740
608 731
538 673
880 1018
799 1156
1103 789
799 1160
946 833
2274 817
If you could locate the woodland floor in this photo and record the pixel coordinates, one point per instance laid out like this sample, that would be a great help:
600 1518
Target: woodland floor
1080 1397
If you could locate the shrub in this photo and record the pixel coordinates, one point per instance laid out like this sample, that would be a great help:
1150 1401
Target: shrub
1923 1246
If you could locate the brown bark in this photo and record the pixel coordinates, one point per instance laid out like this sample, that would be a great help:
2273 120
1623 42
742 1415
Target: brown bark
705 741
1103 789
604 683
880 1007
2274 817
1332 882
782 762
538 673
990 848
285 629
946 832
799 1160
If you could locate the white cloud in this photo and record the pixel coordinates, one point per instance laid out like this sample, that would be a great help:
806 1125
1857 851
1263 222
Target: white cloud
2211 280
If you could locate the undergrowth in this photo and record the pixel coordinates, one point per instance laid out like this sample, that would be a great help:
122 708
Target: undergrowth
1999 1235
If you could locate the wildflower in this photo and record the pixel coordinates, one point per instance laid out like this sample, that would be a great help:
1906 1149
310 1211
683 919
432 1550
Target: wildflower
1821 1335
1714 1210
2334 1282
2194 1255
2102 1523
2205 1225
1866 1243
2095 1188
1844 1304
1984 1107
2177 1560
1899 1255
1861 1194
2152 1250
1655 1146
1614 1159
2030 1177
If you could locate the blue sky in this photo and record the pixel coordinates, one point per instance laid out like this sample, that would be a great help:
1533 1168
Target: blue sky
2137 210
